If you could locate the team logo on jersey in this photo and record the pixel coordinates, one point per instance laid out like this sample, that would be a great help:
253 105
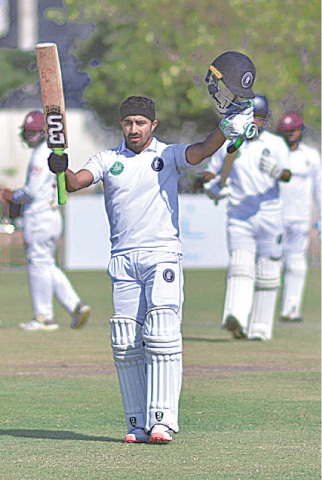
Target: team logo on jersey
157 164
169 275
266 152
117 168
158 416
132 421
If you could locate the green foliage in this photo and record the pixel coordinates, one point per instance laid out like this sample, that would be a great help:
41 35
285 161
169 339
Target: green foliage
17 69
163 49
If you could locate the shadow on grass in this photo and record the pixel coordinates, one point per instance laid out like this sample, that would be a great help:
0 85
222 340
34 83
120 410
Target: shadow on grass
210 340
56 435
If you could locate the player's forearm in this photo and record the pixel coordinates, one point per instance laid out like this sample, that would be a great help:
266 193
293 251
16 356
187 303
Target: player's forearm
77 181
197 152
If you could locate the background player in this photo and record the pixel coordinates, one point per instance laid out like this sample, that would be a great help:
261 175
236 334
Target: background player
254 227
298 198
42 227
140 179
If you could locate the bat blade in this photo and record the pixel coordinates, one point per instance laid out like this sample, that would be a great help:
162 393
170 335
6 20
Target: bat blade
52 94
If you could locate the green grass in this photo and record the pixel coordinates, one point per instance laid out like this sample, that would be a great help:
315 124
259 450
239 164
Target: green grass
248 410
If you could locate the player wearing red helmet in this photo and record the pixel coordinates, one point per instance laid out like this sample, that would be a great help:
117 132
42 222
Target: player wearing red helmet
42 227
298 197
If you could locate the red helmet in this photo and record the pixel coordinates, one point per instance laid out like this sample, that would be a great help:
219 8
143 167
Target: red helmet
291 121
34 121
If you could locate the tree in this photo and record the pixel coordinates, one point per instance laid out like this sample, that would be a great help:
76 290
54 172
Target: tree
163 49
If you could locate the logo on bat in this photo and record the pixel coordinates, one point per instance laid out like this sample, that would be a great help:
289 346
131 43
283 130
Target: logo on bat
55 130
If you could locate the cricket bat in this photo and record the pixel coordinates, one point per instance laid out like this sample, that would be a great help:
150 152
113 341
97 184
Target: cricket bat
52 95
228 163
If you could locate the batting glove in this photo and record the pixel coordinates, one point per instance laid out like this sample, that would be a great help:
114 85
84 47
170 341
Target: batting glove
268 165
57 163
238 122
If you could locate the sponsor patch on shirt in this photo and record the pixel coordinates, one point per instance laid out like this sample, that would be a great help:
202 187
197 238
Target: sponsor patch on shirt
117 168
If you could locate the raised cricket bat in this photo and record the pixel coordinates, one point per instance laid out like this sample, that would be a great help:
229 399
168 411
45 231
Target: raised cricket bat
228 163
52 95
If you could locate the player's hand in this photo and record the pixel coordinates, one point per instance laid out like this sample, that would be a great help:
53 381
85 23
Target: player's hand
57 163
268 165
238 122
215 191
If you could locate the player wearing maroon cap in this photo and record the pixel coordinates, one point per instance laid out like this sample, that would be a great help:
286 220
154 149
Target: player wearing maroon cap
298 197
42 227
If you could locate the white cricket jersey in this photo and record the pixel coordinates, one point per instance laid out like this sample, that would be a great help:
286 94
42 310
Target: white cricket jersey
40 185
305 185
252 189
141 195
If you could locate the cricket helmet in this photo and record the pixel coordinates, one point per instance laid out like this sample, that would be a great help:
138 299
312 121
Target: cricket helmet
34 121
230 78
261 109
290 121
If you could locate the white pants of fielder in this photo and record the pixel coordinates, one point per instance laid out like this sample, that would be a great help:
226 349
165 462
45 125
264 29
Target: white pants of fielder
253 275
295 247
41 233
146 336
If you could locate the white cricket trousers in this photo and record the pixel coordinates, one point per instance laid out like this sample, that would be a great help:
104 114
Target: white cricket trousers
41 232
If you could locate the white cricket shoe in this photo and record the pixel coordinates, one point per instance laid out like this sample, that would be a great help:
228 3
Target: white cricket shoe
137 435
41 324
80 316
160 434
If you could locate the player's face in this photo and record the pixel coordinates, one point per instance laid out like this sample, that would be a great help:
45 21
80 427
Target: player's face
33 138
260 122
292 137
137 131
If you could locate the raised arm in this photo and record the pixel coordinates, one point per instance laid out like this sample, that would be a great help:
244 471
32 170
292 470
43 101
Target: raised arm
74 181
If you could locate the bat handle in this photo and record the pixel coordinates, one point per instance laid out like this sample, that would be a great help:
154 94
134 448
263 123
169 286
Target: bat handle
61 184
233 146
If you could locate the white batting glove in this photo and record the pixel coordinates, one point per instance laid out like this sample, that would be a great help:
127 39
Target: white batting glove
238 123
214 190
268 165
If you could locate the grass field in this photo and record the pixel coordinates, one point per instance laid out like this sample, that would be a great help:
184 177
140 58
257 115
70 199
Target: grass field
248 410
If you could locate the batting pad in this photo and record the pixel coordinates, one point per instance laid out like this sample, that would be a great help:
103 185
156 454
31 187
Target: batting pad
163 354
267 283
294 283
240 287
128 353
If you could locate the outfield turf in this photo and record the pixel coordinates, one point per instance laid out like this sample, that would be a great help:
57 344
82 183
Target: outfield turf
248 410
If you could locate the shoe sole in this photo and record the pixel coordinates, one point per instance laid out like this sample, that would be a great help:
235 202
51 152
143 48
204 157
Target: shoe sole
82 321
233 327
131 438
159 438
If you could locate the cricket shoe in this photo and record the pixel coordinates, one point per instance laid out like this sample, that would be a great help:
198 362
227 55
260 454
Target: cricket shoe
137 435
232 325
39 323
80 316
160 434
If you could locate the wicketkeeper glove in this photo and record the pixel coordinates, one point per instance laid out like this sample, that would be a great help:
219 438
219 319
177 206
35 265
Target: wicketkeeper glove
215 191
238 122
57 163
268 165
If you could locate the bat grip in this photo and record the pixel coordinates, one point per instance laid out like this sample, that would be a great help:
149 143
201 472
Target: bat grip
233 146
61 184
